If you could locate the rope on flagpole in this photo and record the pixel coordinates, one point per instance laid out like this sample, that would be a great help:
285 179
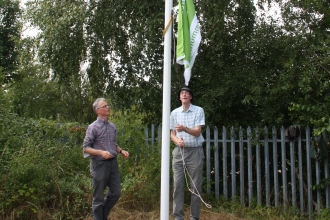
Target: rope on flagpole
174 13
168 24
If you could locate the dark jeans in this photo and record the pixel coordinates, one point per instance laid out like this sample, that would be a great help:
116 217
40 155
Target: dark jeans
104 174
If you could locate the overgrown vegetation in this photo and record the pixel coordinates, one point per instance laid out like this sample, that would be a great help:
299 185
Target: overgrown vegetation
45 176
252 70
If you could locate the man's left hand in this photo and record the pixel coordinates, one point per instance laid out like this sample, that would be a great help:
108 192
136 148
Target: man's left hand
125 154
180 128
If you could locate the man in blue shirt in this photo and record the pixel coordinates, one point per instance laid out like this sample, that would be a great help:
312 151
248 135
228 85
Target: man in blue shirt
101 146
186 133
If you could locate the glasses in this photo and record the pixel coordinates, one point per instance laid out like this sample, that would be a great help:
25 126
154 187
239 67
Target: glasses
104 106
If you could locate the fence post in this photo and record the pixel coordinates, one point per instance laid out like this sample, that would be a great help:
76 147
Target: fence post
146 133
301 180
250 177
284 179
241 159
159 138
258 166
266 153
208 161
326 175
293 172
152 137
318 179
216 163
275 161
309 170
224 161
233 163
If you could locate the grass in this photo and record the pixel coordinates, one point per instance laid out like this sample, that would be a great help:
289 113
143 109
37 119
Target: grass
124 210
120 212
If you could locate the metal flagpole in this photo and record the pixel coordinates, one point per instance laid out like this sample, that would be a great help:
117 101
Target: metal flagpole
165 169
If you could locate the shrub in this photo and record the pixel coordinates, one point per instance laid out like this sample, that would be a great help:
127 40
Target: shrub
47 173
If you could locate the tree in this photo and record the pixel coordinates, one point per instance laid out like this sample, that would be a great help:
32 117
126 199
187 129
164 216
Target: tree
61 52
120 44
312 64
245 65
10 30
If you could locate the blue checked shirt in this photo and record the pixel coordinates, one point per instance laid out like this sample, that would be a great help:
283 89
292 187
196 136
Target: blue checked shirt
101 135
191 118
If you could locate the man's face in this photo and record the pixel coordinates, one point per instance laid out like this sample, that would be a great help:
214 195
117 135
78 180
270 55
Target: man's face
103 109
185 96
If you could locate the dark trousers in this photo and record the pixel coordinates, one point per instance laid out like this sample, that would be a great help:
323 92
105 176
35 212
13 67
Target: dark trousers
104 174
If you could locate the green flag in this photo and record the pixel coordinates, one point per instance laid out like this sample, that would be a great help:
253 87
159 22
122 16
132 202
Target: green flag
189 37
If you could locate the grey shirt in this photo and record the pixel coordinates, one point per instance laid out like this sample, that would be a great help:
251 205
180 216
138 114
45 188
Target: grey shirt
101 135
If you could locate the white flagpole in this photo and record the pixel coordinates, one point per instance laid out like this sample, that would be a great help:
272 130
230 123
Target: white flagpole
165 170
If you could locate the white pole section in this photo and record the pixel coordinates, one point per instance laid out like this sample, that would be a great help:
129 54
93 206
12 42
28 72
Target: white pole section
165 175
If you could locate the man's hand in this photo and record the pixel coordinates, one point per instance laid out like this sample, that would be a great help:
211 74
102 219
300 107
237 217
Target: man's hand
106 155
125 154
180 142
180 128
177 141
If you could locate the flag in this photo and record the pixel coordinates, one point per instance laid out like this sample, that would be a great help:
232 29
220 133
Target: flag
189 37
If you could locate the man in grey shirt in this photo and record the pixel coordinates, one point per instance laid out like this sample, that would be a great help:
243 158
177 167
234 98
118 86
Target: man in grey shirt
186 133
101 146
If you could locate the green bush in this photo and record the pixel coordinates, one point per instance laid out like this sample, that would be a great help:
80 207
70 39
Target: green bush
141 184
140 174
46 172
46 175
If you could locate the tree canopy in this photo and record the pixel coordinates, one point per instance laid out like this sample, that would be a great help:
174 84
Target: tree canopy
10 30
251 68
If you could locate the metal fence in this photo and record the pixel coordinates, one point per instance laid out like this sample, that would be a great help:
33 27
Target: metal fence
262 166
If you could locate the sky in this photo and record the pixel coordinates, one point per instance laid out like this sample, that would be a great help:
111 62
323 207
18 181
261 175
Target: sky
27 32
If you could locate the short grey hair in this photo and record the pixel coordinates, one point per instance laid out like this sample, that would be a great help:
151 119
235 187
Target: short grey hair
96 103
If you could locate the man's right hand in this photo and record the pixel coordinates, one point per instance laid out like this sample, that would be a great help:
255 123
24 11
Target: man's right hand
106 154
180 142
